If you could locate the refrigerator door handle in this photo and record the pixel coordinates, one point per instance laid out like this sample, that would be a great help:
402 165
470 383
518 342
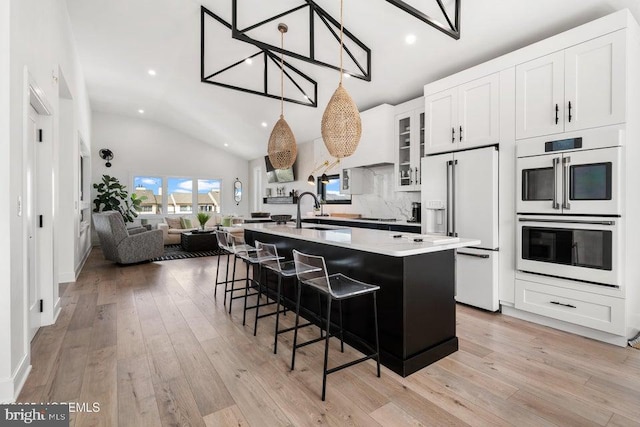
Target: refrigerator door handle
453 198
449 163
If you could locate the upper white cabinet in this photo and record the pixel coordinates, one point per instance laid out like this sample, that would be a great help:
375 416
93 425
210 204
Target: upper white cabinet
463 117
409 144
376 144
577 88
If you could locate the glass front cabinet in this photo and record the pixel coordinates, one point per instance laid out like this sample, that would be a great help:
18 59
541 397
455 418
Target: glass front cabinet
409 143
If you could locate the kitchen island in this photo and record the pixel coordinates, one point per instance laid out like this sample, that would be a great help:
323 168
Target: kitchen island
416 305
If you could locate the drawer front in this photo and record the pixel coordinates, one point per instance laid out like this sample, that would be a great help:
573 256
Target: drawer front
600 312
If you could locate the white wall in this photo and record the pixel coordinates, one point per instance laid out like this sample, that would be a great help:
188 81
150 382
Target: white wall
6 215
144 147
40 39
382 202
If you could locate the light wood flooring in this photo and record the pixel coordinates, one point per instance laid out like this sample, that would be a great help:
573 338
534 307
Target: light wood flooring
151 344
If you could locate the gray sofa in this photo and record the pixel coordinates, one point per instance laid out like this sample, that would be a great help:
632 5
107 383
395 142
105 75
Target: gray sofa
126 246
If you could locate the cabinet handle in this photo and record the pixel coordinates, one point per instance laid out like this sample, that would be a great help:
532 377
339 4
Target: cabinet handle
564 305
417 175
410 176
557 112
453 135
460 134
570 112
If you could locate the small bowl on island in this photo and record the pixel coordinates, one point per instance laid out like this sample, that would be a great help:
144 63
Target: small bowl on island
281 219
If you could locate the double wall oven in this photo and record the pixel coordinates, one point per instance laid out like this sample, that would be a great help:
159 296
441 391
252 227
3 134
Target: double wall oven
569 206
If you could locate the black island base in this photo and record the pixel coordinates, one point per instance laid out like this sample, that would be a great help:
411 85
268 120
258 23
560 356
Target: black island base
416 304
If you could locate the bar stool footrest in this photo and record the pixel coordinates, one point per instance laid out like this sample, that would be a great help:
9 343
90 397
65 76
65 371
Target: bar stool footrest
314 340
353 362
282 331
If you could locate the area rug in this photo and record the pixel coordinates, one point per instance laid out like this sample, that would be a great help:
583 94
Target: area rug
176 252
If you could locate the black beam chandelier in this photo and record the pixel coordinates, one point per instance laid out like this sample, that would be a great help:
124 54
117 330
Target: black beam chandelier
363 70
450 28
264 57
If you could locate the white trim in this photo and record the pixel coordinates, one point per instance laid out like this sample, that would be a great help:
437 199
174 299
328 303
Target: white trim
57 309
565 326
66 277
10 387
81 263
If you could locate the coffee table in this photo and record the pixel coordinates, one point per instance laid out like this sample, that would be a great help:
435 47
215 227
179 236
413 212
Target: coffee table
193 242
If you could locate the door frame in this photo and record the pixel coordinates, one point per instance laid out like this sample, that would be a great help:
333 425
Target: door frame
34 97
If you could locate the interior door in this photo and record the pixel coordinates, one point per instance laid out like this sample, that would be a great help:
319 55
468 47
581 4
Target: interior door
540 96
592 179
595 82
441 132
475 195
30 210
478 112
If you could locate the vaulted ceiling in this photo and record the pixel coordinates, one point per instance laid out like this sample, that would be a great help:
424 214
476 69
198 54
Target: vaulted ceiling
120 40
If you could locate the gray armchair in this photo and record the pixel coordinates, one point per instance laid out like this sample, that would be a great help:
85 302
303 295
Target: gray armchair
124 246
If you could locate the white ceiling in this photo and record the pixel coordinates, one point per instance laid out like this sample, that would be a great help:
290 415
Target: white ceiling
119 40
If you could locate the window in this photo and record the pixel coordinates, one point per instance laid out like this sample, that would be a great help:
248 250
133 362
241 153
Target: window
330 193
209 195
149 187
177 195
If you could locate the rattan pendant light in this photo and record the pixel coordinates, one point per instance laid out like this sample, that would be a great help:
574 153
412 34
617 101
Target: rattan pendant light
282 147
341 124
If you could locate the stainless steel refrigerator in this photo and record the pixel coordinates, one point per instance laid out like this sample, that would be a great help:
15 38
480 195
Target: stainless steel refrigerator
460 198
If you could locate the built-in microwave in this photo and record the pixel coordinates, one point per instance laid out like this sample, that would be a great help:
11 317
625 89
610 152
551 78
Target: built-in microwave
577 175
577 248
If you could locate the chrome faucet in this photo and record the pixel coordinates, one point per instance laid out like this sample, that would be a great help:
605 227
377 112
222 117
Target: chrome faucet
298 216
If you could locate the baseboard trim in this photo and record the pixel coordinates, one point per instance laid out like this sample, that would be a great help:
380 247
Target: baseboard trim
66 277
566 326
11 387
57 308
82 262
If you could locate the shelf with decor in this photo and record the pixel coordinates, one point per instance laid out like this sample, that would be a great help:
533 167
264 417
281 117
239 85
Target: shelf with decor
280 200
409 128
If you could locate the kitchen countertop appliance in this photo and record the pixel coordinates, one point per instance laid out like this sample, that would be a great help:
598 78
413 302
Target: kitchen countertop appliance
460 194
416 212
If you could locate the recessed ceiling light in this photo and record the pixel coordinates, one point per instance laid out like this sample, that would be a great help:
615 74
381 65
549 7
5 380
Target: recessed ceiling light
410 39
249 61
346 75
141 111
264 124
152 72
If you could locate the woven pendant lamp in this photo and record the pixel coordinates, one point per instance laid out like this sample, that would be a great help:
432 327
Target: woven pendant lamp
341 125
282 148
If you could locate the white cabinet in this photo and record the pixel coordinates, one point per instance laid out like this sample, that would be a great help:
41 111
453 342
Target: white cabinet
409 145
463 117
577 88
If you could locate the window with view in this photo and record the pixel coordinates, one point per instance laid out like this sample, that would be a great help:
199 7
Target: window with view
330 193
209 195
179 195
149 188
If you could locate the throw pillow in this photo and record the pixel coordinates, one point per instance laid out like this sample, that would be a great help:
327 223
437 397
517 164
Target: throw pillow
173 222
186 223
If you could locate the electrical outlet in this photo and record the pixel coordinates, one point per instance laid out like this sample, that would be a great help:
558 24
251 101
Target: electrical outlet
19 205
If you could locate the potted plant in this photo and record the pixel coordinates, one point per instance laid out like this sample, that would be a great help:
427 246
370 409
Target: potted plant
113 196
203 217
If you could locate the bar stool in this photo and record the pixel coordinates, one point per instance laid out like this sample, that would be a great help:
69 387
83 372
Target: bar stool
223 243
247 254
269 259
312 271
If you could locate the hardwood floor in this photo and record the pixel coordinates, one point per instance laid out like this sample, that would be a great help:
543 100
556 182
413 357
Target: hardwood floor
152 346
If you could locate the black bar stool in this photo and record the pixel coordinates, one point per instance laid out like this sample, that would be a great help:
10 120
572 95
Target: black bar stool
312 272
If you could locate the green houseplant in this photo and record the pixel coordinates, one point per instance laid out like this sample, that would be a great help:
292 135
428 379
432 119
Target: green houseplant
113 196
203 217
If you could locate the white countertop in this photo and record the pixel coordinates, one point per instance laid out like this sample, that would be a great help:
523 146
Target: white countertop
367 240
337 218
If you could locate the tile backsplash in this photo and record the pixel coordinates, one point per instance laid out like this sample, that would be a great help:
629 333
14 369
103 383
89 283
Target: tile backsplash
383 201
